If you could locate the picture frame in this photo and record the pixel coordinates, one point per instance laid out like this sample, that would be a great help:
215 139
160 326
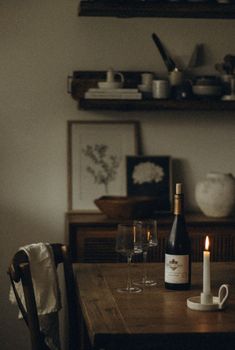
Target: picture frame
151 176
97 153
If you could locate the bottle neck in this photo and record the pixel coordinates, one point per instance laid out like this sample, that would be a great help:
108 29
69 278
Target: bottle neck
178 204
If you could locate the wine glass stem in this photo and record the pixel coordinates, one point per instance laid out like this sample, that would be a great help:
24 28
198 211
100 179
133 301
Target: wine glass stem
232 86
129 283
145 266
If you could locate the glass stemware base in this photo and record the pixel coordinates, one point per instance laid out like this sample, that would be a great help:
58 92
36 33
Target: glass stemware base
145 282
131 289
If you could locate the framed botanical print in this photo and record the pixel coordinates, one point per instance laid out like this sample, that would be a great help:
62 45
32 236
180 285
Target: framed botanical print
97 153
151 176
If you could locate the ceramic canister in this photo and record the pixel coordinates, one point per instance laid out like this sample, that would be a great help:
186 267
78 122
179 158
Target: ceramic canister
161 89
215 195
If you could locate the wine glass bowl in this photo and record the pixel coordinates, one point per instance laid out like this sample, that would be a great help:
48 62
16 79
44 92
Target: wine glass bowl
128 243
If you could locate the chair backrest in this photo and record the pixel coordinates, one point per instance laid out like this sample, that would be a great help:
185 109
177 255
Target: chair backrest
19 270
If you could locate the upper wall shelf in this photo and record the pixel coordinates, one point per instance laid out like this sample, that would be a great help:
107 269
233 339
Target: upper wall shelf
161 8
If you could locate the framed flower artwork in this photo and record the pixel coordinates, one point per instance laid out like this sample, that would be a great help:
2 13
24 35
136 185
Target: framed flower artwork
151 176
97 153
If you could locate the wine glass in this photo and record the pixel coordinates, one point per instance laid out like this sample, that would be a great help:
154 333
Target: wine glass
128 243
148 229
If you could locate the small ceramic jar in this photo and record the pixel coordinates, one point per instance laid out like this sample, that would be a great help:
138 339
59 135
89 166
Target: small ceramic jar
215 195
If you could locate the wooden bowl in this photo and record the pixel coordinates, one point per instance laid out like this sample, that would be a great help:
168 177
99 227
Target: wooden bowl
122 207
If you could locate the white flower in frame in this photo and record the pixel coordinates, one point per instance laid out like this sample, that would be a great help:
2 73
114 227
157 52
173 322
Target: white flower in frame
147 172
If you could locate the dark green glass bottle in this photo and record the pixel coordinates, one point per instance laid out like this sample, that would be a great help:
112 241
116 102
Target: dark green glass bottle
178 248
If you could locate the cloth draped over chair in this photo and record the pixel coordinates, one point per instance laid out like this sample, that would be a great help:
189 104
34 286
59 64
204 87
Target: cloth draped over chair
46 289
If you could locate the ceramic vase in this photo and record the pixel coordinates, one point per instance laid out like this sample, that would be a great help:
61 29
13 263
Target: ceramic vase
215 195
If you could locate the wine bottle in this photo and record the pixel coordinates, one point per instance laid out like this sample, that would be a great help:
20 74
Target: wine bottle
178 248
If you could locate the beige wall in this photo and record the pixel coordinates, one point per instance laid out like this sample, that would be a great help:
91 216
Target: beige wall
41 42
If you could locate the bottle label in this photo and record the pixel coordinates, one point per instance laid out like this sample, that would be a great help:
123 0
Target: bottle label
176 268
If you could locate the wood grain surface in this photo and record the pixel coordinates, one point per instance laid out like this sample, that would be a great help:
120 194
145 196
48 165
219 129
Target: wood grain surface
156 318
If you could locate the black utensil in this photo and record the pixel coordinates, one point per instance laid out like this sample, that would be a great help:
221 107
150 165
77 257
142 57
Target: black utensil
170 64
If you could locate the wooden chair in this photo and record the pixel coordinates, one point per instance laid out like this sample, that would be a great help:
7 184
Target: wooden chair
19 270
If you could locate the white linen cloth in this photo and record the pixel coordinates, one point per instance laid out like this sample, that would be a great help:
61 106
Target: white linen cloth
46 289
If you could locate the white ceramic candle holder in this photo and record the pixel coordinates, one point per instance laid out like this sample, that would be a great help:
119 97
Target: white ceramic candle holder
208 302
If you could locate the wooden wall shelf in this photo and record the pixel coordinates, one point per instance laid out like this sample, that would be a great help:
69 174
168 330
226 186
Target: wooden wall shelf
125 9
81 81
153 105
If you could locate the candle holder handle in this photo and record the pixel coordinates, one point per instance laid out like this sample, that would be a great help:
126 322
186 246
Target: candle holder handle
223 295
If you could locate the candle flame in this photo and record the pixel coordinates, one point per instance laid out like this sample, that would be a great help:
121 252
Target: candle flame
207 243
148 236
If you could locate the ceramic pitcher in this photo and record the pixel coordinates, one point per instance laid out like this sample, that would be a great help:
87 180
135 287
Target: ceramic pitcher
215 195
111 75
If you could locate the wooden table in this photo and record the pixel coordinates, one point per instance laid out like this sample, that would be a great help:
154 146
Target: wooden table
156 318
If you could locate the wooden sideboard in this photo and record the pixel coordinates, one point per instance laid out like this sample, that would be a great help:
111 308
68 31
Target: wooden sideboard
91 237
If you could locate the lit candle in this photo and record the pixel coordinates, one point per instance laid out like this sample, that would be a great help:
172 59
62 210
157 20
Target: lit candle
206 296
206 268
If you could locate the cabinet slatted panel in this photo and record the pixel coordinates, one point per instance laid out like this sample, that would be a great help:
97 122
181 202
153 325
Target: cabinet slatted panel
222 248
103 250
100 250
92 237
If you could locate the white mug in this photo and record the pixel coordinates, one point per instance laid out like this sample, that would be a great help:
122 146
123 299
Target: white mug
161 89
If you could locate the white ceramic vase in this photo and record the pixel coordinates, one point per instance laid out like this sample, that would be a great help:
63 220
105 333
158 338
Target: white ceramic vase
215 195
